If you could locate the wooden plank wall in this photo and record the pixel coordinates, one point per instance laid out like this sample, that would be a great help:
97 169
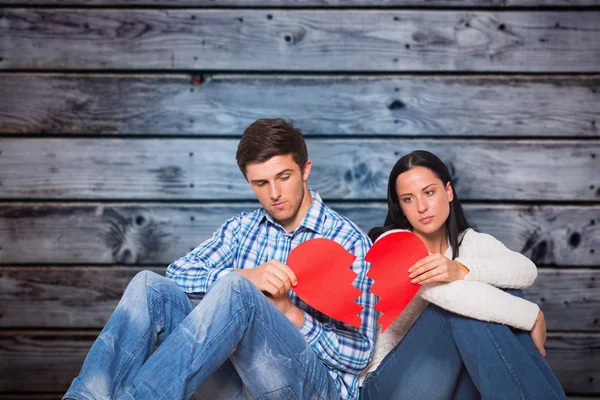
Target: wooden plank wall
119 122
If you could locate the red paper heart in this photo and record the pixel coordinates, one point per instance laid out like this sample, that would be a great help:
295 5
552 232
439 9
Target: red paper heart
322 267
390 258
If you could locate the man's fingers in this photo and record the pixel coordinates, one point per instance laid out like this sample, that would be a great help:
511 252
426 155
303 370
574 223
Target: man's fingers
280 283
288 271
270 289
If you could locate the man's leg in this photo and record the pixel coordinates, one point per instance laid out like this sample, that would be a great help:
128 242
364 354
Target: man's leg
235 320
148 311
425 364
151 307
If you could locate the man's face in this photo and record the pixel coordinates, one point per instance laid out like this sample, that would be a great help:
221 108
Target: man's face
281 188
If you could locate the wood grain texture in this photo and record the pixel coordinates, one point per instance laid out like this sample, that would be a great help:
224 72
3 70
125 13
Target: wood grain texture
314 3
499 106
62 297
84 297
152 234
204 169
300 40
53 359
569 298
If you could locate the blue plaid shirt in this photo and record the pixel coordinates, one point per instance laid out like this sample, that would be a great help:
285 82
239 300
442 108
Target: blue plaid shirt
251 239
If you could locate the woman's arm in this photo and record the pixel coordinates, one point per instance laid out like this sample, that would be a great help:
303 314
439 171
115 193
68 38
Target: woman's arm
483 302
490 261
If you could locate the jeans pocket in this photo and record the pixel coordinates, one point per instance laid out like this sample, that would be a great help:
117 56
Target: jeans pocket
285 393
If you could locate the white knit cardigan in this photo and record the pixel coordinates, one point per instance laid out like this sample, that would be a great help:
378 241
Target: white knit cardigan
491 266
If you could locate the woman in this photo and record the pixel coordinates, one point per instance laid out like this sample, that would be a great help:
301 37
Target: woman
449 351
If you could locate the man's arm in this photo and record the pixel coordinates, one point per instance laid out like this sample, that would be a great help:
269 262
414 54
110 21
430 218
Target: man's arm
199 269
340 346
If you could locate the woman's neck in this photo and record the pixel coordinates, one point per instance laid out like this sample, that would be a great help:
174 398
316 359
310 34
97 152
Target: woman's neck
436 242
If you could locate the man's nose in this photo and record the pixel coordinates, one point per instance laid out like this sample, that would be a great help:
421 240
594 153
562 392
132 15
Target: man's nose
274 191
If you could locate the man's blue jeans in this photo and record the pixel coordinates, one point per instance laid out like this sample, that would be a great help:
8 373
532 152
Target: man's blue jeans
448 356
235 344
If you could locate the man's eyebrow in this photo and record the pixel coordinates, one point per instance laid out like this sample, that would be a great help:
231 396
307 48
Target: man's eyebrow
285 171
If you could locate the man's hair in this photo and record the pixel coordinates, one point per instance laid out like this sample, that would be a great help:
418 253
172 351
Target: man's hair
267 138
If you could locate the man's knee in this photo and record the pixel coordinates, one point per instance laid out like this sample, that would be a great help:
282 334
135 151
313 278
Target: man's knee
142 278
234 283
140 282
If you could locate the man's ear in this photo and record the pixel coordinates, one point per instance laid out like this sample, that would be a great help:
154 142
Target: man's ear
306 171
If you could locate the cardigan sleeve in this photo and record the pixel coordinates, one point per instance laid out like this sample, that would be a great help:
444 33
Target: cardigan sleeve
483 302
490 261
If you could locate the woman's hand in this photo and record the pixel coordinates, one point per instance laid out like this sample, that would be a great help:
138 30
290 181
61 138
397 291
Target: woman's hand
538 333
436 268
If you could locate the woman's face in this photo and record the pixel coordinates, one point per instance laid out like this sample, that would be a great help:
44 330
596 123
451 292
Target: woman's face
424 200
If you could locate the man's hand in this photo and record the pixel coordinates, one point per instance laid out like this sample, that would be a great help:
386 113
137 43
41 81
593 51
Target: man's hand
285 305
436 268
538 333
273 277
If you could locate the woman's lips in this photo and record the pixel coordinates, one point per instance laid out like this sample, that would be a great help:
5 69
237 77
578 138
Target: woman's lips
425 220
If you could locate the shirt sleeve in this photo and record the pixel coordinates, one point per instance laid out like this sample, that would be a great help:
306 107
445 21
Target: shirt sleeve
199 269
490 261
341 346
483 302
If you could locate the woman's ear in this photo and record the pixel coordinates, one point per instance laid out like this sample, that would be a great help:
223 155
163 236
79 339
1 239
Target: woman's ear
449 192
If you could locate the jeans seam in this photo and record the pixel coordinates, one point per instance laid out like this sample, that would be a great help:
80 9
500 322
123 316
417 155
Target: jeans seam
499 350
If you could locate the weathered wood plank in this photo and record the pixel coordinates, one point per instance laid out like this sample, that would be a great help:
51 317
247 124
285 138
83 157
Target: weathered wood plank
84 297
151 234
570 299
578 352
313 3
62 297
300 40
227 104
205 169
53 359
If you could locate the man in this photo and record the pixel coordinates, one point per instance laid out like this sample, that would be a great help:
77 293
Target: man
248 337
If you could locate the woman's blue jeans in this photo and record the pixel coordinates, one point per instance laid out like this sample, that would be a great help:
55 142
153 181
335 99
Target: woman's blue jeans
235 344
448 356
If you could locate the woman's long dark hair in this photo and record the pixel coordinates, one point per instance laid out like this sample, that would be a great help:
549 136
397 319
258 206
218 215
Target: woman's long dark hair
457 220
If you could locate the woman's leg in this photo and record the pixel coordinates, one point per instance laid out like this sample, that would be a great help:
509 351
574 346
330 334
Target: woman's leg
501 362
426 364
465 388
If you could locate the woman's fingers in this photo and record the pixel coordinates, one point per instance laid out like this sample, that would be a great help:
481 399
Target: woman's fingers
433 275
424 268
421 262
